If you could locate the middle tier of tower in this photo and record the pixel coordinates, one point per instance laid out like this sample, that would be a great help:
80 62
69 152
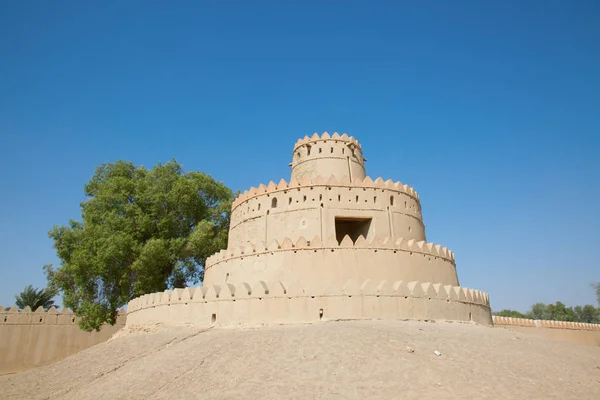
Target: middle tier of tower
327 208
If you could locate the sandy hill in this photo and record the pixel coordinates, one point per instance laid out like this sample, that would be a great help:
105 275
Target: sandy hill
330 360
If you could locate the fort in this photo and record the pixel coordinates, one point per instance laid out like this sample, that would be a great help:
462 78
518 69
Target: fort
330 244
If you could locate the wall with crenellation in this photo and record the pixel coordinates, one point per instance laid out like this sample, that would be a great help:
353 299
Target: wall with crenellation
313 262
33 339
573 332
260 303
335 155
310 207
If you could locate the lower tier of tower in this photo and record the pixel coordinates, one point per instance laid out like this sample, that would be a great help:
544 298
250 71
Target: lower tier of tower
316 265
259 303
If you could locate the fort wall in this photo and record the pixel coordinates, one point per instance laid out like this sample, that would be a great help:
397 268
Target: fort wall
572 332
339 155
313 262
259 303
310 207
33 339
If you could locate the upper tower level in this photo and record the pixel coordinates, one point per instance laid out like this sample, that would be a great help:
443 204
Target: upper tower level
327 155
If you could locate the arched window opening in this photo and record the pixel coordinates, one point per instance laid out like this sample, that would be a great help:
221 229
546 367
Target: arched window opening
308 149
274 202
391 200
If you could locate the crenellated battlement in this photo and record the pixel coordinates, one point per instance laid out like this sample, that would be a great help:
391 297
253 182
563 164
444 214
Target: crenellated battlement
14 316
326 155
326 137
277 289
366 183
286 244
281 302
540 323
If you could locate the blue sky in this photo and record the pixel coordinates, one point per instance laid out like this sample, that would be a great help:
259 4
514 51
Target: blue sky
491 110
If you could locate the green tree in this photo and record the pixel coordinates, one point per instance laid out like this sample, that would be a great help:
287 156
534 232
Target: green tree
586 313
538 311
559 312
510 313
35 298
142 231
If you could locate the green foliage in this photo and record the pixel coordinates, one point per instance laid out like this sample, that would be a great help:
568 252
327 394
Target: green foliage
35 298
538 311
559 312
587 314
510 313
142 231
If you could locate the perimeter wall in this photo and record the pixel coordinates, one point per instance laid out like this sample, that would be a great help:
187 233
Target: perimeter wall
33 339
574 332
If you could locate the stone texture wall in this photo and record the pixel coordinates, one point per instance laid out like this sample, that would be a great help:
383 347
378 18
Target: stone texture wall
574 332
33 339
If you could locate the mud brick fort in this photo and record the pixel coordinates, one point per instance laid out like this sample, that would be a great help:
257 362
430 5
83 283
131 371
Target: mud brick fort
330 244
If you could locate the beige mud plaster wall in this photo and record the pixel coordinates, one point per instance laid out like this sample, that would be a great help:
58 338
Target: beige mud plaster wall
311 210
573 332
328 157
33 339
315 263
260 303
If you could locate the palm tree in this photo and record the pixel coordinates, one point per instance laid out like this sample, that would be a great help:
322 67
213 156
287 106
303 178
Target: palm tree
35 298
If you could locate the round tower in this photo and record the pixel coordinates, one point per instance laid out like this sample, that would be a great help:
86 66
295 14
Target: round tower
336 155
331 243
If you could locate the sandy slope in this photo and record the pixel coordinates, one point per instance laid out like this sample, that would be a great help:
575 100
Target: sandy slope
332 360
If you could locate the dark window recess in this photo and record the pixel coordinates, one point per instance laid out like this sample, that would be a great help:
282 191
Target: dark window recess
353 227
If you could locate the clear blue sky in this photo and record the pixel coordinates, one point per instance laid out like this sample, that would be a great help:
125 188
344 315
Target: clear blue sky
491 110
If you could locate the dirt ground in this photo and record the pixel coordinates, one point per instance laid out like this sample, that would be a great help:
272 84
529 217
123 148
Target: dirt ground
330 360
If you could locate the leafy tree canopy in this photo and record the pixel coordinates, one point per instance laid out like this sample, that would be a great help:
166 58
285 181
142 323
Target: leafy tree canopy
35 298
510 313
142 231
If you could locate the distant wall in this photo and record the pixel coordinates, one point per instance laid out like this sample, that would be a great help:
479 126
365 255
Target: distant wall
573 332
33 339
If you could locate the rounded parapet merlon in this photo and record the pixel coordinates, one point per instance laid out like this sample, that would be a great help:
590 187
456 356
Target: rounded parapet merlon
287 290
14 316
537 323
332 181
325 136
286 244
281 302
